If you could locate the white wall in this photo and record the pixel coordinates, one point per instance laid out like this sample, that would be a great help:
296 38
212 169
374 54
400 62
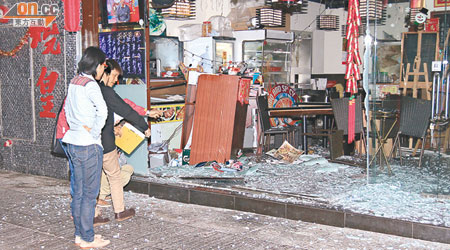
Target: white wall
318 53
327 53
327 45
204 9
301 21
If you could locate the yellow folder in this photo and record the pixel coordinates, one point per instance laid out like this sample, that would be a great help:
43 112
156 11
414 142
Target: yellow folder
129 140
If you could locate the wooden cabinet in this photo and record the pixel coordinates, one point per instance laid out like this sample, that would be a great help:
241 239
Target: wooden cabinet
219 119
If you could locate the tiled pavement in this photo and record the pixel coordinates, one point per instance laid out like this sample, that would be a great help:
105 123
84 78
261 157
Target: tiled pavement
35 214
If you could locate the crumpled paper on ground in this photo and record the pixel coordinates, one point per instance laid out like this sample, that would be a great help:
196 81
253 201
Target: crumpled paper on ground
286 152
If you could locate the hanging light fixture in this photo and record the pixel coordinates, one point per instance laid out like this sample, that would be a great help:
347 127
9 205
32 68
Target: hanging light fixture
376 11
289 6
267 17
327 22
180 10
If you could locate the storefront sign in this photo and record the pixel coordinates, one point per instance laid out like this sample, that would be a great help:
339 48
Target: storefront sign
46 86
441 3
39 34
46 83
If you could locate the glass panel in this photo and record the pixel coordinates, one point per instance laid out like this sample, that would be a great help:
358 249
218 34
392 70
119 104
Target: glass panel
400 84
165 52
276 64
252 55
224 54
271 57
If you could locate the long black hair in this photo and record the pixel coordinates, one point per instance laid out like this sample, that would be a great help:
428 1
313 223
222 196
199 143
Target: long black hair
92 57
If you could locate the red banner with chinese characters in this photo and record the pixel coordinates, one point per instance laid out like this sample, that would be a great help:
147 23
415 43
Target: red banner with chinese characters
432 24
244 90
441 3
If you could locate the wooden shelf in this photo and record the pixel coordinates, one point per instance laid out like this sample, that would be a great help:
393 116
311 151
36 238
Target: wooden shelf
161 87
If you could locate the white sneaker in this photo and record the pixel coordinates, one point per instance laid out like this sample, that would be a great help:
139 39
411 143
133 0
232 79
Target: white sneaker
78 239
97 243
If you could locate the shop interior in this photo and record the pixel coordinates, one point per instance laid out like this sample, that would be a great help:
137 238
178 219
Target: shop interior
338 104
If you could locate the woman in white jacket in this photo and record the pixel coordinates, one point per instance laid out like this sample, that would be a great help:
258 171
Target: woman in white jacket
86 114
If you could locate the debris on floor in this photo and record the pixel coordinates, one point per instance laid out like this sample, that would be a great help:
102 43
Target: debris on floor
411 193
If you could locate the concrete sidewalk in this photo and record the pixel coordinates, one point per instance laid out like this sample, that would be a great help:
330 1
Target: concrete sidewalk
35 214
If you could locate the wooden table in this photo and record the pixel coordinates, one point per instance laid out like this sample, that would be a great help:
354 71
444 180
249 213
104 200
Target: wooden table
301 111
295 112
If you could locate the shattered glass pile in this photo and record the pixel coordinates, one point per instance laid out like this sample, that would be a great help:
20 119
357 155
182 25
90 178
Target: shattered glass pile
411 193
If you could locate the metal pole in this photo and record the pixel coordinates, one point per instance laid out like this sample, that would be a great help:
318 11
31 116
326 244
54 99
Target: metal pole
433 94
305 138
366 86
438 97
446 97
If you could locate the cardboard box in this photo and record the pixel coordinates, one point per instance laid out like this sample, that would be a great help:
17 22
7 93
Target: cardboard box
130 139
158 154
158 159
241 24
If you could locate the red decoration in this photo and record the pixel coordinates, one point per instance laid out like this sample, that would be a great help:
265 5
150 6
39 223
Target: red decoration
50 44
36 37
48 106
441 3
18 47
244 88
72 15
432 24
352 74
4 9
351 119
46 85
8 143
